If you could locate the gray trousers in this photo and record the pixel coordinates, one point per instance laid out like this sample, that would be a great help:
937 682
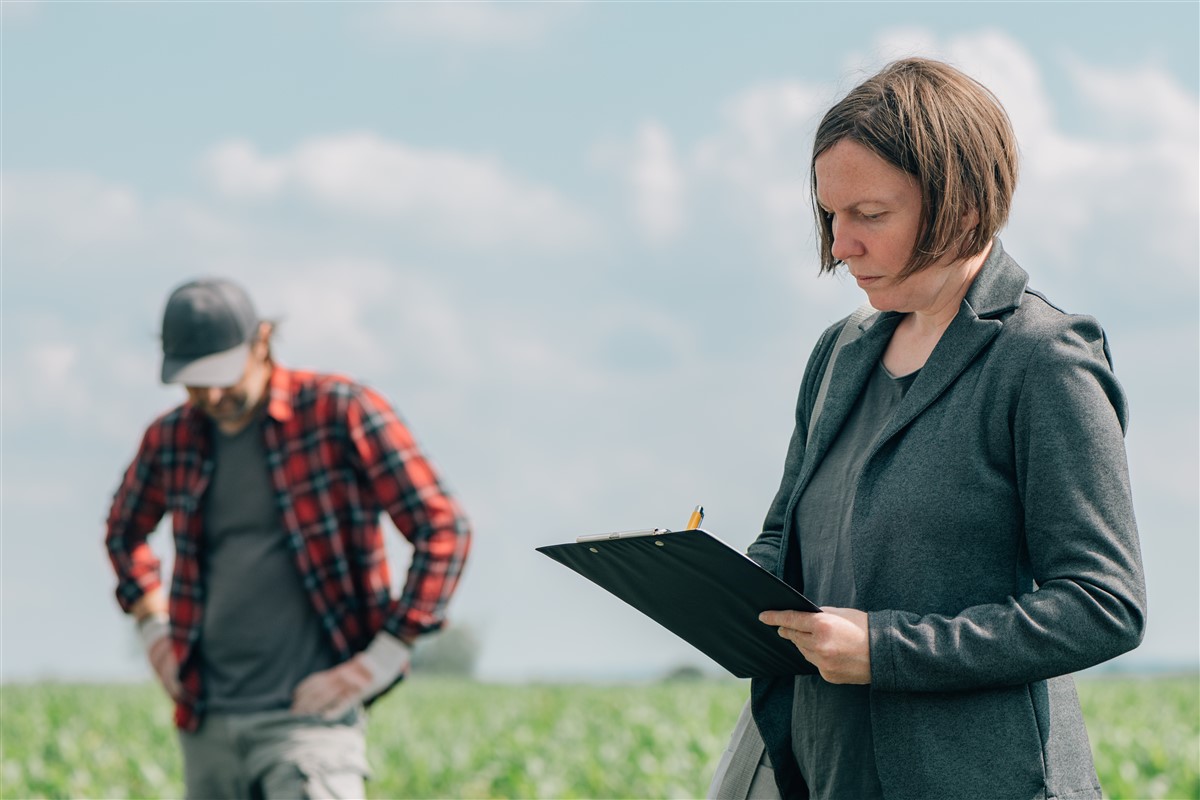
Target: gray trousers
275 755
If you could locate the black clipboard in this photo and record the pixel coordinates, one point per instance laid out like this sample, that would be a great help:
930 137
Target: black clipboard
699 588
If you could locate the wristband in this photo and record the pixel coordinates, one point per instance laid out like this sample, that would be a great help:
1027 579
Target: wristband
152 628
386 657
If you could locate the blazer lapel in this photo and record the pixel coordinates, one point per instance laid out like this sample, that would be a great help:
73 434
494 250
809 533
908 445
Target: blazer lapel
958 347
996 290
850 373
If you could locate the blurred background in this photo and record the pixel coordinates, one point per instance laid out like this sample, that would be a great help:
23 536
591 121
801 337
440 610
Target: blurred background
571 243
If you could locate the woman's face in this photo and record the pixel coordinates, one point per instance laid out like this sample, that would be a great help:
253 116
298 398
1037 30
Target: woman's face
875 212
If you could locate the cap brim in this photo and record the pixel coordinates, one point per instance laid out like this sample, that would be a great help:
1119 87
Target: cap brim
219 369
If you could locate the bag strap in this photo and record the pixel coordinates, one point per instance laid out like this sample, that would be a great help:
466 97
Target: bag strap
743 761
747 752
850 331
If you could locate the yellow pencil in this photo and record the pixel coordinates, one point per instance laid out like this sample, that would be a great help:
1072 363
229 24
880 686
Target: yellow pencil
697 517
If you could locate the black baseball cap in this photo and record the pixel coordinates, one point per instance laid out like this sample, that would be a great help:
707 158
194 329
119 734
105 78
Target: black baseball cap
207 330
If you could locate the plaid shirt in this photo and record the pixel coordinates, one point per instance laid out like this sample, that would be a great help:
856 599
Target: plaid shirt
337 455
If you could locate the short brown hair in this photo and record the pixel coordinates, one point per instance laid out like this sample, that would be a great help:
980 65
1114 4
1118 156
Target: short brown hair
945 129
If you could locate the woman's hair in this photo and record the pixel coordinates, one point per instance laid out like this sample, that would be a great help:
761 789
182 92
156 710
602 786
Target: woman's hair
946 130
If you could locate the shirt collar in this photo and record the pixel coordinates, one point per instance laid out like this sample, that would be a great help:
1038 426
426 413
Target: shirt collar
279 401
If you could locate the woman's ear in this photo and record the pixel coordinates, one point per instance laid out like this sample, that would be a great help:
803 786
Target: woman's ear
970 220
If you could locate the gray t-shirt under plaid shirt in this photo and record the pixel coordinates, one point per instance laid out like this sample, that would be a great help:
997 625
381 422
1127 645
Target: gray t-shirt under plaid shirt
259 634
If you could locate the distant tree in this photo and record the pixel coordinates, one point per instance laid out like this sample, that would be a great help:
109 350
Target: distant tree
686 672
454 650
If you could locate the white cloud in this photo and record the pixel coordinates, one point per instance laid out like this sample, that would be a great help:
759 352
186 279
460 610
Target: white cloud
1127 161
658 183
1134 168
1149 165
238 171
760 161
70 375
77 224
1008 69
467 23
47 374
1133 174
368 318
896 43
69 209
1145 98
460 199
990 57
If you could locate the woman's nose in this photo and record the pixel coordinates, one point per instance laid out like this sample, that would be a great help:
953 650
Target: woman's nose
845 245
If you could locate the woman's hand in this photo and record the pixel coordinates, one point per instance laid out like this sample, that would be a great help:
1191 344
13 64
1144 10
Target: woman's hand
835 641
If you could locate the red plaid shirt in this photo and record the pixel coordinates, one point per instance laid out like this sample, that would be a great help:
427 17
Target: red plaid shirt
337 455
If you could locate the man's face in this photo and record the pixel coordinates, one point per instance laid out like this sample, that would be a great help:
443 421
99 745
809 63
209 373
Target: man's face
231 407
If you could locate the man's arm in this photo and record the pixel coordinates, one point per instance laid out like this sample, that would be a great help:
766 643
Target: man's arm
405 484
136 510
151 604
333 692
410 491
154 631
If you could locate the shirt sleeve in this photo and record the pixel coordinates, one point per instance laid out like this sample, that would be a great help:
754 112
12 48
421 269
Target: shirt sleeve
409 490
136 510
1089 603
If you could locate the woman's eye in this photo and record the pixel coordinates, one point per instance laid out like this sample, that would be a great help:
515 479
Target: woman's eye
872 216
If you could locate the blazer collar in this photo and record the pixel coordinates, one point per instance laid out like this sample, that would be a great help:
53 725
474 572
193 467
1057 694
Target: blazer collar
997 289
999 286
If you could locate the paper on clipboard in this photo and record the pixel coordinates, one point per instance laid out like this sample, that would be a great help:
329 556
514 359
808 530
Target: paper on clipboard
700 589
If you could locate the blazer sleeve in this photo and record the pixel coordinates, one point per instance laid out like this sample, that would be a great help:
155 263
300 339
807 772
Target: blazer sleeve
1089 603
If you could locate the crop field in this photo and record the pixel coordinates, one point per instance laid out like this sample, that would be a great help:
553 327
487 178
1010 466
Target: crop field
441 738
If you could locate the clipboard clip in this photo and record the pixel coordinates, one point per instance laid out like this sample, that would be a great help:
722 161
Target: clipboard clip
604 537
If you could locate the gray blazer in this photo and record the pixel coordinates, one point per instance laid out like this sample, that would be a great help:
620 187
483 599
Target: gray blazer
994 546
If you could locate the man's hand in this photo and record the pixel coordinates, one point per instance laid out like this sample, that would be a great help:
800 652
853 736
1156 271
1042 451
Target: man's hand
155 632
835 641
334 691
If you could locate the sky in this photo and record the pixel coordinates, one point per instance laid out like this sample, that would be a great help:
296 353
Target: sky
570 242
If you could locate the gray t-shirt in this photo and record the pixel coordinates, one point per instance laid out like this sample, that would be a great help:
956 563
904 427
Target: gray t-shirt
259 634
831 724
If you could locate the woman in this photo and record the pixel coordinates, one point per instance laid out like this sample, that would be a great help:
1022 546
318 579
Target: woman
961 507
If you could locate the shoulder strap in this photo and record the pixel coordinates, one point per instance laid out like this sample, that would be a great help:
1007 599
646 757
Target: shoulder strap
744 772
849 333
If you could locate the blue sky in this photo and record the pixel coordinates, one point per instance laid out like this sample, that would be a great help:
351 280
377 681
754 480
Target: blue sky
571 242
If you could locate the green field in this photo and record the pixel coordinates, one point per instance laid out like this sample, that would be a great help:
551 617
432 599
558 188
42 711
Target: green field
449 738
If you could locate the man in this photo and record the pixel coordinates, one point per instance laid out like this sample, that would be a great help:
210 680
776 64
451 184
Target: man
281 622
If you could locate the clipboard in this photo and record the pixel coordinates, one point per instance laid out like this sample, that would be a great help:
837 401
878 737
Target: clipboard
700 589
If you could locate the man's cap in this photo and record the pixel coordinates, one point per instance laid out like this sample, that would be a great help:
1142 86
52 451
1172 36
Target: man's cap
207 330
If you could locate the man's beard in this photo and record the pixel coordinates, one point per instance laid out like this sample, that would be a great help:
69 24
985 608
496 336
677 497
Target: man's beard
233 406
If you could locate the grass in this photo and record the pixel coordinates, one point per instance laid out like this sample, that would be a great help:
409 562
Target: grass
453 738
